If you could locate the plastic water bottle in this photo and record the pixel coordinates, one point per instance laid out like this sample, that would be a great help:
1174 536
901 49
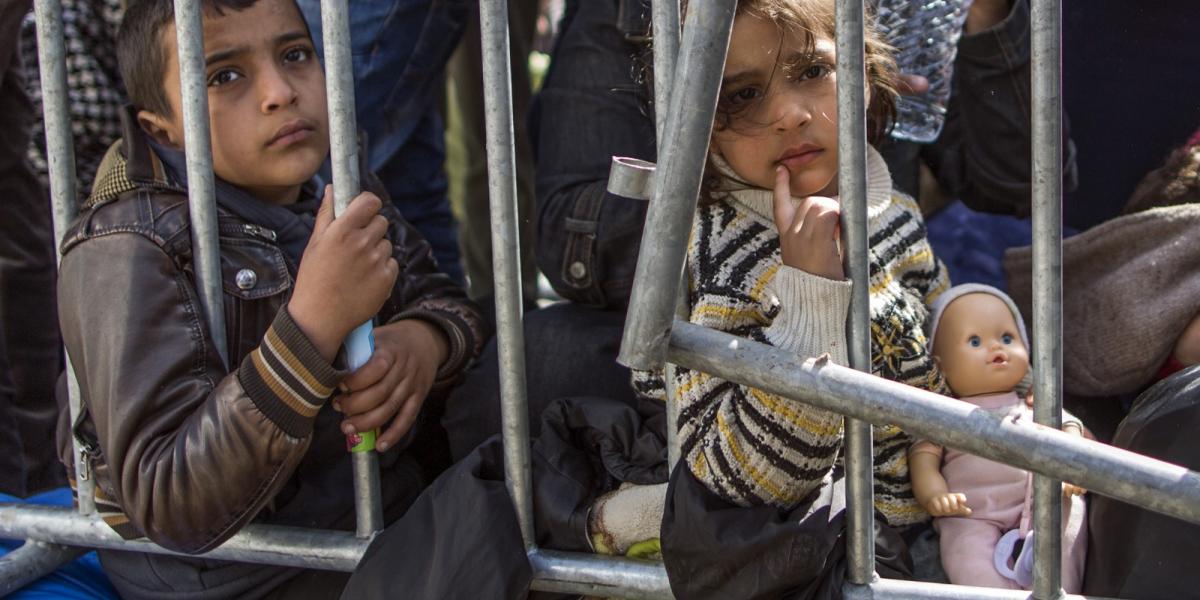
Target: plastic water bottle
925 35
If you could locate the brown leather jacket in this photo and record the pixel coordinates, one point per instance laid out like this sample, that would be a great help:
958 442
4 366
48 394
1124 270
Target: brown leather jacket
185 451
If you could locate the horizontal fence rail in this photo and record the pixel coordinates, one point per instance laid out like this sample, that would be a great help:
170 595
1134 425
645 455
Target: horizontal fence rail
1133 478
892 589
263 544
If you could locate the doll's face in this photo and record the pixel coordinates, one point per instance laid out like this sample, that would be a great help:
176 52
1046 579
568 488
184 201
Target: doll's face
979 347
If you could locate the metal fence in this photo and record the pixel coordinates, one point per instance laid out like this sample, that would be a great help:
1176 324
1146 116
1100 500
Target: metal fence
655 337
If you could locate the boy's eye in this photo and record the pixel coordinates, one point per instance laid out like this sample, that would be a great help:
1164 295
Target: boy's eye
974 341
297 54
1006 338
223 77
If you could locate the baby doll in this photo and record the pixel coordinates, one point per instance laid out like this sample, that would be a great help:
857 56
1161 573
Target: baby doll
983 508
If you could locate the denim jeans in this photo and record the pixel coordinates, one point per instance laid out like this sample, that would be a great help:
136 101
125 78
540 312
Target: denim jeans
393 77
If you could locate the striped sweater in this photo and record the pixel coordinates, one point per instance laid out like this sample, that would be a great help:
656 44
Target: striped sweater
751 447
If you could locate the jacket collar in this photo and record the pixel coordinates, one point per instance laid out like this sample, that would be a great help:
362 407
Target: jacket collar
130 164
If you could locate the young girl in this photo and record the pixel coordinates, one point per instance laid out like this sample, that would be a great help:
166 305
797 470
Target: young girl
764 263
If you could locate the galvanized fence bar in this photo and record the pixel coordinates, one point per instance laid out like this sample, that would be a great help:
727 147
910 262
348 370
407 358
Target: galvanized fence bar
693 105
665 23
1047 288
343 146
263 544
60 155
592 575
1132 478
852 190
502 187
894 589
665 18
202 204
31 562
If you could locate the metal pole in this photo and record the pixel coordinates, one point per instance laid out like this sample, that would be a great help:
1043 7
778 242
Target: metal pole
593 575
201 190
852 189
262 544
332 550
343 145
665 18
895 589
1120 474
1047 289
506 259
60 154
31 562
690 115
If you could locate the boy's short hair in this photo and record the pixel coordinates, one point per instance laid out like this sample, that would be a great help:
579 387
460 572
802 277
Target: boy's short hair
141 53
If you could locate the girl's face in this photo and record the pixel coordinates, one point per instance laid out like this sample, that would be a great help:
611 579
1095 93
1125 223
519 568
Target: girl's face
780 103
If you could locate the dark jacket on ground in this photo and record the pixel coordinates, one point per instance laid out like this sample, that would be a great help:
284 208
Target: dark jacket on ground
184 450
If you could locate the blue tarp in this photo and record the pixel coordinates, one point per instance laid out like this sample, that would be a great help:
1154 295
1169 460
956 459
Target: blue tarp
80 580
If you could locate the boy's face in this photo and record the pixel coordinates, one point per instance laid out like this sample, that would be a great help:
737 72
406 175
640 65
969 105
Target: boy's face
782 108
266 99
979 347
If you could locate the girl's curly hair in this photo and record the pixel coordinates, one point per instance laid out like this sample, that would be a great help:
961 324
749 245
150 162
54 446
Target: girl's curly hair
810 19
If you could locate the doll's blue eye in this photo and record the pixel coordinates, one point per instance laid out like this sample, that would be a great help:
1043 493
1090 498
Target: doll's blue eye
974 341
1006 338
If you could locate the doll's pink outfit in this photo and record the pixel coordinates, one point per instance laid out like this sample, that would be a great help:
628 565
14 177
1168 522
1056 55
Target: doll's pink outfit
999 497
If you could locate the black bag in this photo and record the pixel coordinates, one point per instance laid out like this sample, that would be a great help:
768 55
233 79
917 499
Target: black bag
716 550
1132 552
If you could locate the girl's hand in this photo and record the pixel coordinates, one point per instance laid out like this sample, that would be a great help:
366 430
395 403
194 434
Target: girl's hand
808 233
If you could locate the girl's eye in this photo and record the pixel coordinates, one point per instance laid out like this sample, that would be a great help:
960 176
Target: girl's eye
222 77
742 96
297 54
1006 338
974 341
815 72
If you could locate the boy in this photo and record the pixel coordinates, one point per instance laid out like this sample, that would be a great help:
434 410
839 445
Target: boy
185 451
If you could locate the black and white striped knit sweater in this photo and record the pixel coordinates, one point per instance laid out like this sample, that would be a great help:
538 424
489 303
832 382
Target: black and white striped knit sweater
751 447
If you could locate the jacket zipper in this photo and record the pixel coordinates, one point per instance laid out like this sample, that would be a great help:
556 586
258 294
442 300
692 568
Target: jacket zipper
250 229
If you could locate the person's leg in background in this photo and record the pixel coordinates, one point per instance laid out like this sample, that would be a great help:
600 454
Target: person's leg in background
12 468
28 313
469 188
402 122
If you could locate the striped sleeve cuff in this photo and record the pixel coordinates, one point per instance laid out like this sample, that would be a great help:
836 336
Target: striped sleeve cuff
287 379
812 314
459 353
